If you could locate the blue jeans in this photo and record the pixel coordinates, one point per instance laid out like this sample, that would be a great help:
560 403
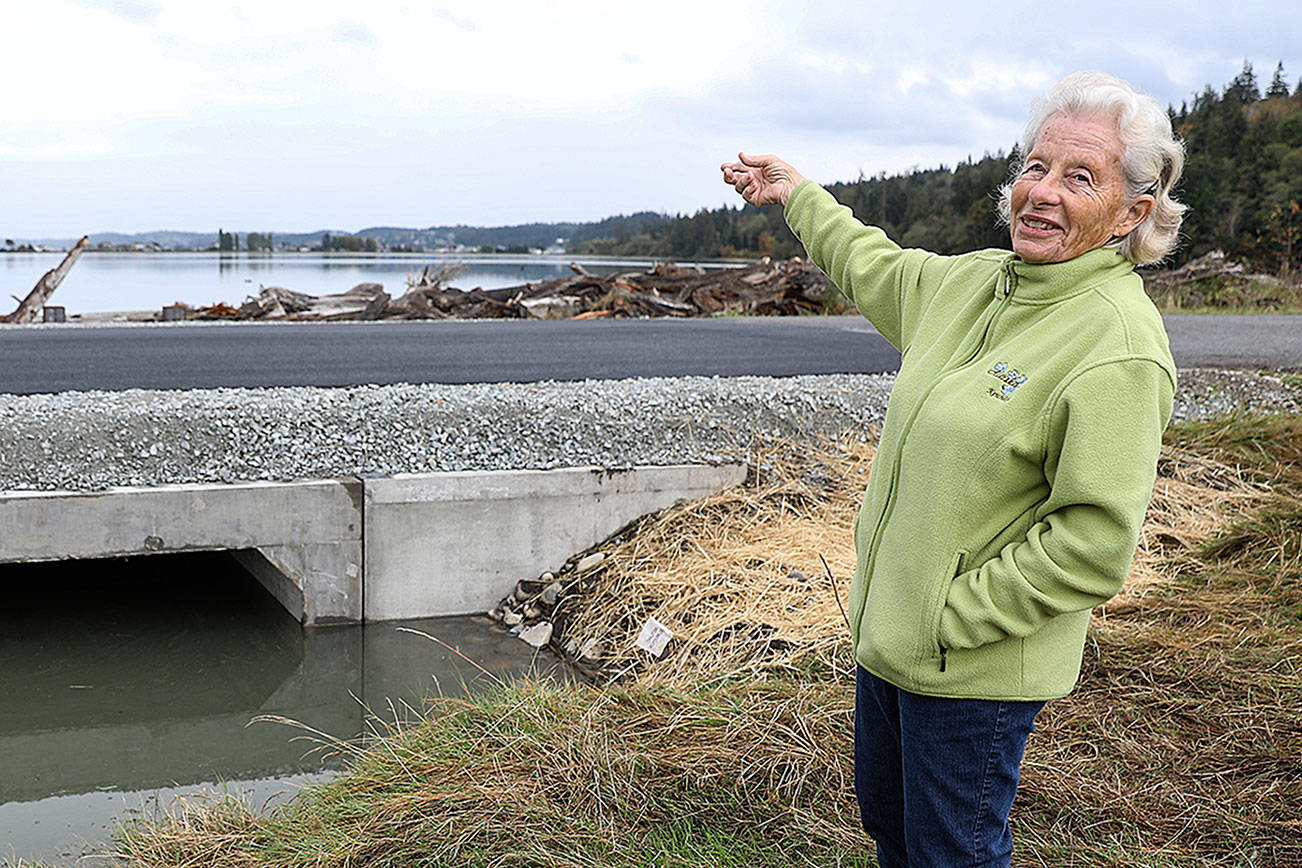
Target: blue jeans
936 777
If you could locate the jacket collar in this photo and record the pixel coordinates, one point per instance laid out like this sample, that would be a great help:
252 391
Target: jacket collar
1043 283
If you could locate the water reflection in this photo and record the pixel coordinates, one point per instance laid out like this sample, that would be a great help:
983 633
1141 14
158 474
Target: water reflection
133 675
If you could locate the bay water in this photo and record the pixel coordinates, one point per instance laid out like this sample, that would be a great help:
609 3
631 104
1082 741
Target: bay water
121 281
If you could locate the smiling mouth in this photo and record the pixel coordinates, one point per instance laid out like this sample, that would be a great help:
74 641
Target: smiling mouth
1038 223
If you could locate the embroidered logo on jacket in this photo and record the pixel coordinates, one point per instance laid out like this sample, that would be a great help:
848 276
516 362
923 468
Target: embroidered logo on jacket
1009 378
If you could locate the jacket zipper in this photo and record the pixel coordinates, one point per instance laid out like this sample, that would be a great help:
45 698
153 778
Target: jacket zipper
1010 284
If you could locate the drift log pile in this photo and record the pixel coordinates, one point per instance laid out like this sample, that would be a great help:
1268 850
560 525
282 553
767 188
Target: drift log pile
765 288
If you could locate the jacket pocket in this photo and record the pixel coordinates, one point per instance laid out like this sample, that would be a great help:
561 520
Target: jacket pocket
935 650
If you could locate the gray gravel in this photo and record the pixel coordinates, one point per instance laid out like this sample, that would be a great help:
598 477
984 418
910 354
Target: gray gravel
97 440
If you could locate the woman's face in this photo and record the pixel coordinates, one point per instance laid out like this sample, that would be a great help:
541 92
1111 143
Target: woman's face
1071 197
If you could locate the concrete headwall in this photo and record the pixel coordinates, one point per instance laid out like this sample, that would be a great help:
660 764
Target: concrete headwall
340 550
458 542
312 532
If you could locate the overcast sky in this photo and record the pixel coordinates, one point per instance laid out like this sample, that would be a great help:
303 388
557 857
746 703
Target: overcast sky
134 115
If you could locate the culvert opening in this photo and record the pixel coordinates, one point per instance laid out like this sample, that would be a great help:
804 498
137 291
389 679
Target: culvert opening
124 640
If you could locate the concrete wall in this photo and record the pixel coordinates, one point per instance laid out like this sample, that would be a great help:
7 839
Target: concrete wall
445 543
342 550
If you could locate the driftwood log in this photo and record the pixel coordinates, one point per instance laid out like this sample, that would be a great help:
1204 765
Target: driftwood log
764 288
29 309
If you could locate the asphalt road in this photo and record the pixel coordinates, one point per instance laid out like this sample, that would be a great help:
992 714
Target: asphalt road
62 358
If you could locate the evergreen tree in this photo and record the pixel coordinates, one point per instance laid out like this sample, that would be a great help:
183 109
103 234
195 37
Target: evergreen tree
1278 87
1244 87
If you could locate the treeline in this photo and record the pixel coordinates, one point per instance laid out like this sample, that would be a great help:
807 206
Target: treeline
1243 178
946 210
517 238
253 241
1242 181
543 235
348 243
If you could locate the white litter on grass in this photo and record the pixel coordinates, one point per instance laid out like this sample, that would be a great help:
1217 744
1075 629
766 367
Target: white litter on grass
654 637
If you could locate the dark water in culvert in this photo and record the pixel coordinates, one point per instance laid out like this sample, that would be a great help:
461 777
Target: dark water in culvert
126 682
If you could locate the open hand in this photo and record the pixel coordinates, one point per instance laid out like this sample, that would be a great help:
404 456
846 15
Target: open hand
763 179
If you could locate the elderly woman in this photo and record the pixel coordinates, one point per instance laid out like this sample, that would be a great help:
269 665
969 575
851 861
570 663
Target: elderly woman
1015 464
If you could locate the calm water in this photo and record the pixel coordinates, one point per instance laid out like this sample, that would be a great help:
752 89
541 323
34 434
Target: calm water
144 281
128 682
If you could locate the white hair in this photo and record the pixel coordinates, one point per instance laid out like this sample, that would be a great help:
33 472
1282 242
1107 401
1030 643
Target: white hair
1152 158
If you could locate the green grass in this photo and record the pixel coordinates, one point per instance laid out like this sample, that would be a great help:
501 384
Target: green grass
566 776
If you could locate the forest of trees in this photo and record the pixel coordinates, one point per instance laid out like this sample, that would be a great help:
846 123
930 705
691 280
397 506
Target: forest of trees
1242 181
258 241
349 243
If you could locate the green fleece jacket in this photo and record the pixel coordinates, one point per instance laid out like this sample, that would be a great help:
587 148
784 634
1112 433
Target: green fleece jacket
1016 461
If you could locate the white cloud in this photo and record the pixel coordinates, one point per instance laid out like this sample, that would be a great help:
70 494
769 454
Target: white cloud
141 11
313 114
355 32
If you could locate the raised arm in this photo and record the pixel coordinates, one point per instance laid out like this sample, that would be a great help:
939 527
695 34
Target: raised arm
882 280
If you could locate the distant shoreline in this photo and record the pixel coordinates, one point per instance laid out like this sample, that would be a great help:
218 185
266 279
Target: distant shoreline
504 258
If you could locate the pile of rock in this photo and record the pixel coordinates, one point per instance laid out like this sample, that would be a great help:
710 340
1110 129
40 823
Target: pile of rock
535 610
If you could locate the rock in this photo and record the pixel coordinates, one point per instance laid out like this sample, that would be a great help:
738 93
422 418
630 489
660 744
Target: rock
496 613
589 561
547 577
527 589
551 593
538 635
532 612
572 648
511 619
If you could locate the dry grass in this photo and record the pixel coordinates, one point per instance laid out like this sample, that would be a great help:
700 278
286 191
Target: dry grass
738 579
736 576
1180 747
